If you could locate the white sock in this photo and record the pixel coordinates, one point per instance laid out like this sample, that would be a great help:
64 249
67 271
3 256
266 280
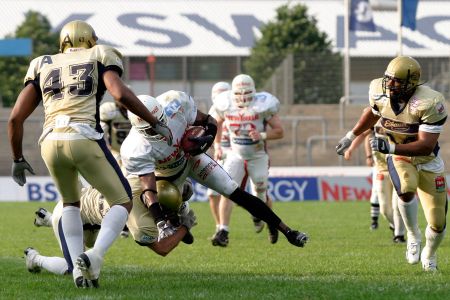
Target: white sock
224 227
408 210
72 229
55 265
111 226
217 227
399 226
433 239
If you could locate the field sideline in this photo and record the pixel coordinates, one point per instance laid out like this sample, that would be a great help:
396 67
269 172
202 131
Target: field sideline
343 260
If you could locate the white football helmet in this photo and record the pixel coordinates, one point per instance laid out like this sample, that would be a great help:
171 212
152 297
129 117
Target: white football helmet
143 126
218 88
243 88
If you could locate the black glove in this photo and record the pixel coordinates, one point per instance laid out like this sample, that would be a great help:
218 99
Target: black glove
381 145
203 143
18 171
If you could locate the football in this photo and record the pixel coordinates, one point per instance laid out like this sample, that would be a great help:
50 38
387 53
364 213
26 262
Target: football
193 131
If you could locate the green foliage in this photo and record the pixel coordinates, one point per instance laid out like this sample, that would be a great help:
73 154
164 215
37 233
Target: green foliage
343 260
294 31
13 69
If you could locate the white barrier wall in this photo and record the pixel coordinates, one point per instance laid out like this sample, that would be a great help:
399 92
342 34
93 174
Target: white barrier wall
285 184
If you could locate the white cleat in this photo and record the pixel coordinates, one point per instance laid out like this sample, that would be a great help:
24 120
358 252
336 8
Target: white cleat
413 252
90 264
429 264
43 218
30 260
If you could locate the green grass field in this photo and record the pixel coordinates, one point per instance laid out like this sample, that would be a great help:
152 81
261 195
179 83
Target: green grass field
343 260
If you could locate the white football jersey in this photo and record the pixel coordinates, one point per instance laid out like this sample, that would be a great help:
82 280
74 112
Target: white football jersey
225 138
143 156
239 121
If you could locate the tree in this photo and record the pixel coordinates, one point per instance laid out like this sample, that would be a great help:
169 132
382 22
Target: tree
317 69
13 69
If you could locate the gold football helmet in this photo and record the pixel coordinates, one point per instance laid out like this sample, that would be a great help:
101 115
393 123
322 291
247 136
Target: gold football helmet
77 34
168 195
404 70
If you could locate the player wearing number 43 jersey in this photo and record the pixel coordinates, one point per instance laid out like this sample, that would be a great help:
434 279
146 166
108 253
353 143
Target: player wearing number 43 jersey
71 85
412 117
147 158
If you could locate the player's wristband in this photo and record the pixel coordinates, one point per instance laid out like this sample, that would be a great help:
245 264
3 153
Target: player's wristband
391 148
350 135
263 135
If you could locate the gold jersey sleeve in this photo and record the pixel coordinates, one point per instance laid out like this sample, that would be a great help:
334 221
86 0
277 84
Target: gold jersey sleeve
71 84
115 125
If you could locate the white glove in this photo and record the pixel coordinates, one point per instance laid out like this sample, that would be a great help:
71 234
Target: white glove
382 145
345 142
164 230
18 170
189 220
165 131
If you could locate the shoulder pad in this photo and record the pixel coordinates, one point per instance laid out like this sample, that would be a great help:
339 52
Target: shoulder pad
108 55
223 101
35 67
265 102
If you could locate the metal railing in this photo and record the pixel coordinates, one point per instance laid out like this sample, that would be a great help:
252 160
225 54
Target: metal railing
295 120
309 144
344 101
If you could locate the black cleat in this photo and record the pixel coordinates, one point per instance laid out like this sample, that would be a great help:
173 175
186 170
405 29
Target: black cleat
399 239
81 282
297 238
273 235
374 225
188 238
220 238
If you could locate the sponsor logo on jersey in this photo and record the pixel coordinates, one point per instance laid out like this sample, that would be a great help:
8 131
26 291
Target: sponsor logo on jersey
241 117
440 183
440 108
401 127
207 170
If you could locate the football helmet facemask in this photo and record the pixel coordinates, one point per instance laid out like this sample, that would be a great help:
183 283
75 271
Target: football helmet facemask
401 77
141 125
77 34
218 88
243 88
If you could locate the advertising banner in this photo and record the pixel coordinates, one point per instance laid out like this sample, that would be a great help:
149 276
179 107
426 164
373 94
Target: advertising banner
285 184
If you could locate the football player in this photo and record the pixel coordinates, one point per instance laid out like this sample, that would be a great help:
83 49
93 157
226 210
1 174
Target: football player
93 209
251 119
213 196
148 158
71 85
412 116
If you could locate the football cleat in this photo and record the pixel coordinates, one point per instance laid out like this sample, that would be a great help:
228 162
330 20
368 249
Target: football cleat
220 238
259 224
374 225
90 264
31 261
429 264
273 235
413 252
399 239
43 218
297 238
82 282
125 232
